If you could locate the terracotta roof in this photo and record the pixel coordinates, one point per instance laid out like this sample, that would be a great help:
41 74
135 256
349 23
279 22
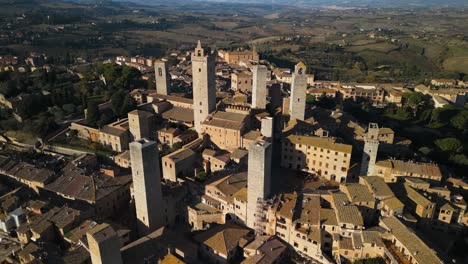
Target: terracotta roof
78 233
171 98
287 206
231 184
419 250
222 238
227 120
349 214
113 131
75 184
416 197
179 114
239 153
324 143
385 130
241 195
346 243
372 237
405 167
447 207
393 203
102 232
65 216
26 171
181 155
328 217
310 211
378 186
252 135
358 193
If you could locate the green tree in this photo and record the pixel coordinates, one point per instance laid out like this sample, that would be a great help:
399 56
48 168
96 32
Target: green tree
129 104
460 120
117 100
310 99
449 144
92 113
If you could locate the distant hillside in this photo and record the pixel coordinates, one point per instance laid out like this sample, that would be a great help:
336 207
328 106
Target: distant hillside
316 3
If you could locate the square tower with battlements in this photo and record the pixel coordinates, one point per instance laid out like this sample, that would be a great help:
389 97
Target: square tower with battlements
204 85
163 84
146 175
258 178
259 87
371 147
297 101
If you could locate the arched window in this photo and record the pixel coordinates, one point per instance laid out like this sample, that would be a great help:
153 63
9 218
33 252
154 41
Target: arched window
160 71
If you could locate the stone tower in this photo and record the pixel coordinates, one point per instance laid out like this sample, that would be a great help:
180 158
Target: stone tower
139 123
104 245
371 147
204 85
297 102
146 177
267 127
259 86
161 70
258 177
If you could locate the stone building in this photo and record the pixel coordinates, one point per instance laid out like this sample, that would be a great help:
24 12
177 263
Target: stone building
146 176
259 178
236 57
163 85
259 87
115 135
140 124
371 148
226 129
179 164
390 170
168 135
104 245
298 92
241 81
322 156
407 244
204 85
367 92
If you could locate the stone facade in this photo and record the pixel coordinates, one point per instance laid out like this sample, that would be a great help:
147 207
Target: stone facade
147 185
204 85
161 71
322 156
241 81
298 92
259 177
371 148
259 87
140 124
104 245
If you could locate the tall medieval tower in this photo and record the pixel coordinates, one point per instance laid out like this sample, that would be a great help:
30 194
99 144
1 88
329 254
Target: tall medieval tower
204 85
297 102
103 245
146 177
161 70
258 178
371 147
259 86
